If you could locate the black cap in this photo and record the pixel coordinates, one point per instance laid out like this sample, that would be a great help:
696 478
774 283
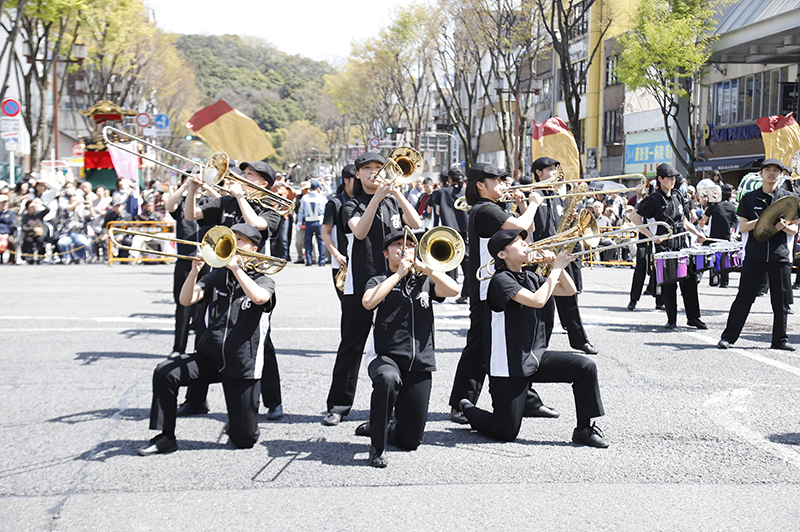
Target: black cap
541 163
394 236
481 171
502 238
349 171
455 172
666 170
772 162
262 169
249 232
370 156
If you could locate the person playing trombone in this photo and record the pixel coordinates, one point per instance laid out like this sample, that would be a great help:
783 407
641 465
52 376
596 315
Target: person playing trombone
238 309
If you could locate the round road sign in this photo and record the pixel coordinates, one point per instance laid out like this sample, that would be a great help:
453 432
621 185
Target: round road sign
143 120
374 142
77 150
10 107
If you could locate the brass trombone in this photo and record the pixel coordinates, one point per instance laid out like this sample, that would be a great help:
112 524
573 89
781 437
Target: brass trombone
535 255
508 194
403 166
218 248
214 172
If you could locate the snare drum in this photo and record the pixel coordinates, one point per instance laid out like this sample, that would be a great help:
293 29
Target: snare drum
727 256
701 259
671 266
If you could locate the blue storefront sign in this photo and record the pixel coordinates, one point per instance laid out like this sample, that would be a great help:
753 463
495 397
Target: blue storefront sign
648 153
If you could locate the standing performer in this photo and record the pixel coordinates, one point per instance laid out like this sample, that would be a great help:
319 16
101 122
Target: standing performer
227 211
332 232
668 205
377 209
239 306
771 258
547 221
485 187
455 219
723 221
401 357
516 346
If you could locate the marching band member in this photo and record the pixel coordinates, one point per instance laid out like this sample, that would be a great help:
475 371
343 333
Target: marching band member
547 220
516 345
771 258
332 232
668 205
228 211
485 187
238 306
377 209
401 356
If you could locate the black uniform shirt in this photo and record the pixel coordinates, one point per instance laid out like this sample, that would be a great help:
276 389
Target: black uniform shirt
236 329
658 207
449 215
331 218
515 333
776 249
186 230
485 219
403 323
225 211
365 257
722 216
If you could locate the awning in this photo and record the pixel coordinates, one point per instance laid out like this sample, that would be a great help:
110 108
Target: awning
734 163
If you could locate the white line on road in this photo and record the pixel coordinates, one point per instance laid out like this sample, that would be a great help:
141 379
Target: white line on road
749 354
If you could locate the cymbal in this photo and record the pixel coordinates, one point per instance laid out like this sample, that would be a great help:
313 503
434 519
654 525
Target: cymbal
765 227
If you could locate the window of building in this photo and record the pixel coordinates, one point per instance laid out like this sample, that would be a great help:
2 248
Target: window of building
579 21
580 70
612 127
611 70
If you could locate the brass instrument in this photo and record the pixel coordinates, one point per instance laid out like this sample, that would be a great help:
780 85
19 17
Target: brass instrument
785 207
442 249
214 172
508 194
217 170
218 248
403 166
535 250
586 222
341 277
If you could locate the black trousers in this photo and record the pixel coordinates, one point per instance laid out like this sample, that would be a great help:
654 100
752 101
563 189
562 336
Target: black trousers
471 369
355 325
640 271
185 315
779 275
570 316
339 294
691 304
509 394
270 381
407 393
241 397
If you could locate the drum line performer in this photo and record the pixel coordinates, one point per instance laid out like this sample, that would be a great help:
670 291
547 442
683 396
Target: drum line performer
667 204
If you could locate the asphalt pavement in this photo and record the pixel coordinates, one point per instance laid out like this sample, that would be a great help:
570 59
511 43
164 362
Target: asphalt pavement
701 438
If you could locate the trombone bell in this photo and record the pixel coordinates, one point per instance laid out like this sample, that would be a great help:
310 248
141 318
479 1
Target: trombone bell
442 249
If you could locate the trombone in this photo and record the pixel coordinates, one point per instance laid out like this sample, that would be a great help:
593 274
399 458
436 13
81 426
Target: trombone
218 248
214 172
508 194
403 166
535 250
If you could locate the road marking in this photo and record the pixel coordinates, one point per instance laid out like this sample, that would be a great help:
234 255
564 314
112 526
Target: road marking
749 354
721 407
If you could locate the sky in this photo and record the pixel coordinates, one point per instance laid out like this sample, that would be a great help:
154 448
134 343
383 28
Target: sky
318 29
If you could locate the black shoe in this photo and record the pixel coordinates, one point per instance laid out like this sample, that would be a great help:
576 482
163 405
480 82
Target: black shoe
648 293
723 286
591 436
189 408
542 411
458 417
377 459
723 344
795 286
631 306
159 445
587 348
785 346
697 323
462 300
670 325
789 311
363 429
300 261
275 413
660 307
464 405
332 419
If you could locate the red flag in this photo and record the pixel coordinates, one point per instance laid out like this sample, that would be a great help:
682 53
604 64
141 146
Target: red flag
225 129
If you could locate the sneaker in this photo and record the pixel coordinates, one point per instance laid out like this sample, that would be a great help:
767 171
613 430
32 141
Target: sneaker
591 436
332 419
189 408
159 445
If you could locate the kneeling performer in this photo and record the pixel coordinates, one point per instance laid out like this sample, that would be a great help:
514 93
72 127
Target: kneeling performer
400 358
516 346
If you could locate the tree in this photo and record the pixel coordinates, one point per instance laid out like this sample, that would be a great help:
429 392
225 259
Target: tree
566 21
664 55
11 25
304 140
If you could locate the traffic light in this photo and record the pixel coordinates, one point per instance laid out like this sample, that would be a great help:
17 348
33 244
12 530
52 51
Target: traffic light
191 137
389 130
308 159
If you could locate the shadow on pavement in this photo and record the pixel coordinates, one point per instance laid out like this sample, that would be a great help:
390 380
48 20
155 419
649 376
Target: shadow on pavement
90 357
